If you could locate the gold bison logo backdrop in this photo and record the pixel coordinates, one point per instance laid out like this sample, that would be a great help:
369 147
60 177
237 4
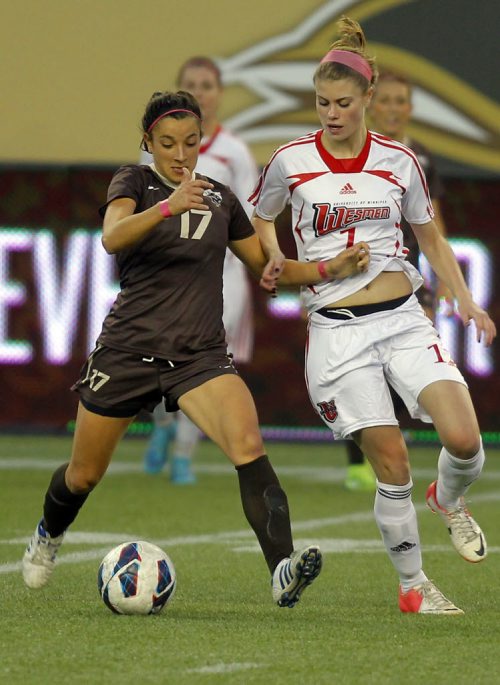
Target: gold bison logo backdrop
446 48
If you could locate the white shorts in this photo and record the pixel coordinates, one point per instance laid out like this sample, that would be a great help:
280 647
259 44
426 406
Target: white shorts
238 310
349 365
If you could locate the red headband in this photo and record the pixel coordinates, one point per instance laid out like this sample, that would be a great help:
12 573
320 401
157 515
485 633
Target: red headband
171 111
350 59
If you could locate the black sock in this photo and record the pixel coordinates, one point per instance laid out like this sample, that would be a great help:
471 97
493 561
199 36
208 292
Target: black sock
266 508
354 454
61 506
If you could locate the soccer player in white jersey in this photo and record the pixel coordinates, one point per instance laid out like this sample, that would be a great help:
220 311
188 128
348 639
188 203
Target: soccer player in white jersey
226 158
347 184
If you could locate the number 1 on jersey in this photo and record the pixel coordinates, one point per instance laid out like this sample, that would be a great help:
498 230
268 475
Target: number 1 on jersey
350 235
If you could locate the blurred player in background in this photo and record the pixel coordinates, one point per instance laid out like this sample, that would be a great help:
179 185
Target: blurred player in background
369 332
389 113
226 158
164 340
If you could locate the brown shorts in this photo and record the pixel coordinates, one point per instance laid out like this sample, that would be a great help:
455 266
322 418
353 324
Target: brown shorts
117 383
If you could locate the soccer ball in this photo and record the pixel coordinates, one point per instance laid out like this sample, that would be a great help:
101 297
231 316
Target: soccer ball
136 578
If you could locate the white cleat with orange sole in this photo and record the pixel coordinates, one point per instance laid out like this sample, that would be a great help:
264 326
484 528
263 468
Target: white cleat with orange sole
466 536
426 599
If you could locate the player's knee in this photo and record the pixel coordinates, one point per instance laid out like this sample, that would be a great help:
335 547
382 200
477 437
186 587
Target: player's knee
390 462
395 472
81 482
391 451
462 443
249 446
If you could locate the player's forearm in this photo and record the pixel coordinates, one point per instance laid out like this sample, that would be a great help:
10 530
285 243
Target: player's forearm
301 273
266 232
444 263
122 233
351 261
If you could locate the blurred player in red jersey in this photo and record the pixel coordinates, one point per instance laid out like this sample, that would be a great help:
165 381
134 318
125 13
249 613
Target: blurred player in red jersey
390 112
369 332
226 158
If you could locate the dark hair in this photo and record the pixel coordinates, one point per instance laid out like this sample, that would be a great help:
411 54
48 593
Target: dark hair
163 102
200 61
352 39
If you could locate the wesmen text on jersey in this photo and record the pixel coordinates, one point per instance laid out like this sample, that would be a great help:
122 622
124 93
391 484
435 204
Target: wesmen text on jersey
339 202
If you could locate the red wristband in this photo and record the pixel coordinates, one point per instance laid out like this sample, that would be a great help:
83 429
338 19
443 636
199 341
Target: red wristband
322 271
164 208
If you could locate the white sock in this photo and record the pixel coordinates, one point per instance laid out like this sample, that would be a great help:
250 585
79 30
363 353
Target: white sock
187 437
455 476
397 521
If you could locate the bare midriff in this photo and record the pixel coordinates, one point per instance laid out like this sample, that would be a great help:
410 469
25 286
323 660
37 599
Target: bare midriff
388 285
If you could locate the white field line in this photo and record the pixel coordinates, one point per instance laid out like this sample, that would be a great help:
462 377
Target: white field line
328 474
356 546
224 668
327 546
238 540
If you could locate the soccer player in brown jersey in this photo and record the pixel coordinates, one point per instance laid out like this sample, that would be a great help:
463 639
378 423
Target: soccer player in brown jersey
226 158
164 338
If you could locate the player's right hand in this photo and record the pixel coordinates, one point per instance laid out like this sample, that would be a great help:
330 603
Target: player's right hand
349 262
189 194
469 312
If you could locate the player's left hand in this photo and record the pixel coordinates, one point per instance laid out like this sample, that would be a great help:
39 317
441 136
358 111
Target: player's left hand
272 272
485 328
349 262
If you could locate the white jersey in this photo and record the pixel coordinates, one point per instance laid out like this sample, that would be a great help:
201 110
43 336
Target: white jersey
339 202
227 159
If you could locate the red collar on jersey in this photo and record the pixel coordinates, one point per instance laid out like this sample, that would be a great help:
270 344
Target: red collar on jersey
206 146
341 166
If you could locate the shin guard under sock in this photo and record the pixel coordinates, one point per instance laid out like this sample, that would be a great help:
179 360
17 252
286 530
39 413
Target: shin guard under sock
266 509
456 475
397 521
61 506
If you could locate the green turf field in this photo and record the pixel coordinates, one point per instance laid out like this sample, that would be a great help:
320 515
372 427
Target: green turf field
222 626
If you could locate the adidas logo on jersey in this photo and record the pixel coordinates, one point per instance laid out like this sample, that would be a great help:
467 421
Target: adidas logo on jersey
348 190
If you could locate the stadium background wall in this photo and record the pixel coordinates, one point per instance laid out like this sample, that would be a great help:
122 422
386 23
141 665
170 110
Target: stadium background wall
76 75
41 204
74 83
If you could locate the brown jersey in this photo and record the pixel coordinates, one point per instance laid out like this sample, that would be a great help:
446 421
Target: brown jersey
170 302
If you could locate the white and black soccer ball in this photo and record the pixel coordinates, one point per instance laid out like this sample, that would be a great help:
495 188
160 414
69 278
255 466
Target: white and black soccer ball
136 578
